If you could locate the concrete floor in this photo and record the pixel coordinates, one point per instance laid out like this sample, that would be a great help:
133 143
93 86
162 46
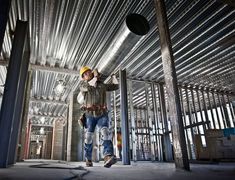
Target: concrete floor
61 170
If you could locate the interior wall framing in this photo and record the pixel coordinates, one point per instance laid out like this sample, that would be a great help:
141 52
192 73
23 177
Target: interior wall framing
202 109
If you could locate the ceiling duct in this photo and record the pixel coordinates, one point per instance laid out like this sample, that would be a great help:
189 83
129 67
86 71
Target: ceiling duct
134 27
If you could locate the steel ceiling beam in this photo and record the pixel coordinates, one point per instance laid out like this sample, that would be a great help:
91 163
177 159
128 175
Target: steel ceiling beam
46 68
50 116
70 72
42 125
49 101
55 69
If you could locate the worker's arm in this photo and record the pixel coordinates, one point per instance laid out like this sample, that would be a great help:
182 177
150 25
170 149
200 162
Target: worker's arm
111 87
114 85
85 86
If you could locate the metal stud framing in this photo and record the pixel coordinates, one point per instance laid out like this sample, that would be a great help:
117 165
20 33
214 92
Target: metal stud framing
133 124
157 124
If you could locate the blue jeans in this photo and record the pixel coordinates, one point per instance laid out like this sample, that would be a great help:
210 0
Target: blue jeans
103 123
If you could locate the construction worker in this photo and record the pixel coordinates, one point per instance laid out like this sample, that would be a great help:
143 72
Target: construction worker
96 112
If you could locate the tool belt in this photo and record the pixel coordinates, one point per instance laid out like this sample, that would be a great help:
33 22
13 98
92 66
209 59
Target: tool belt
95 110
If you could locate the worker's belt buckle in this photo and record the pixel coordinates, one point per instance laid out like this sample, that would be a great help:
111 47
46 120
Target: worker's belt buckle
96 110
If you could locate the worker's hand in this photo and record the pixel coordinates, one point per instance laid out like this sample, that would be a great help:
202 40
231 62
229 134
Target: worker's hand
93 82
96 73
82 120
114 79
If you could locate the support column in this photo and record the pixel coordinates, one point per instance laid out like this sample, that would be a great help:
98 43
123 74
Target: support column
64 146
166 136
108 102
179 144
23 135
69 126
157 128
28 138
44 147
20 101
78 133
124 118
10 99
133 127
48 144
57 141
75 137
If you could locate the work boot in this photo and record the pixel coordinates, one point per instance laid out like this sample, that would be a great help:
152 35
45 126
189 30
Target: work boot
89 163
109 161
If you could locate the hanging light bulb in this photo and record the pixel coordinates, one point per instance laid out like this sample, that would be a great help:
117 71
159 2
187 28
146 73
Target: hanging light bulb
59 88
36 109
42 130
42 119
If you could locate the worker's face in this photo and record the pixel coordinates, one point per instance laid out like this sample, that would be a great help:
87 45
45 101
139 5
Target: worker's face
88 75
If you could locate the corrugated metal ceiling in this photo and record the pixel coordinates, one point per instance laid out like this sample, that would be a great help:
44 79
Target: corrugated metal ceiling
71 33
